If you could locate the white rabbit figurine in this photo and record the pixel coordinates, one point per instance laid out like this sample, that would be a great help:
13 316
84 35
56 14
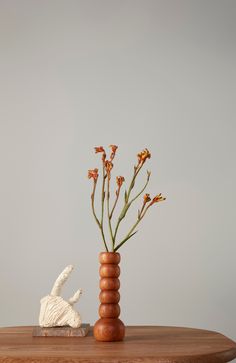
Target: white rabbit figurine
55 311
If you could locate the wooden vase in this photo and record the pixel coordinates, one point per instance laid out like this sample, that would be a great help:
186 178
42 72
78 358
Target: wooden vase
109 327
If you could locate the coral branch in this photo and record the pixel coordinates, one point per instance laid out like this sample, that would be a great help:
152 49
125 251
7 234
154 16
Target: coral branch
56 290
75 298
54 310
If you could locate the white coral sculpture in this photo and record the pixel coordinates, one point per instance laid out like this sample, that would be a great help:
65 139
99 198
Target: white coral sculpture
55 311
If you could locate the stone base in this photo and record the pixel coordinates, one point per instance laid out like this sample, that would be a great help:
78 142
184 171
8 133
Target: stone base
61 331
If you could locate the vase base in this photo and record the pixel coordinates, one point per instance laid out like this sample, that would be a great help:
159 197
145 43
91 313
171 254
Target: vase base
109 330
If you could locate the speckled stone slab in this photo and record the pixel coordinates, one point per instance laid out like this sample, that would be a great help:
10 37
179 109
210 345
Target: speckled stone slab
64 331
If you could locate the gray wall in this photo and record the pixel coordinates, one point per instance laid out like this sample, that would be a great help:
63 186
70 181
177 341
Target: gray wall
156 74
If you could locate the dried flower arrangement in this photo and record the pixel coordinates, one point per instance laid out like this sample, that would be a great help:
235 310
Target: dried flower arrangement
107 166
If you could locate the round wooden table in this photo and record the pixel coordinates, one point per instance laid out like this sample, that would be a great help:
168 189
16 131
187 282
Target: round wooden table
142 344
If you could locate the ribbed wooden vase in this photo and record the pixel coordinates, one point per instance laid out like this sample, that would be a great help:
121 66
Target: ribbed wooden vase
109 327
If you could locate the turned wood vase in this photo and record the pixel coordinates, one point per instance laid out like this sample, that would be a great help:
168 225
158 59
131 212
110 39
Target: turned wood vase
109 327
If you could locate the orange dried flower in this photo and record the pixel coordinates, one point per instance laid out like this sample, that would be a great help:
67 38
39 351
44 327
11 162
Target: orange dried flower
93 173
113 151
100 149
113 148
158 198
120 180
108 166
143 156
146 198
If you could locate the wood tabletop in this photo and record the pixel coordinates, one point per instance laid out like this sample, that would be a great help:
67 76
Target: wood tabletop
142 344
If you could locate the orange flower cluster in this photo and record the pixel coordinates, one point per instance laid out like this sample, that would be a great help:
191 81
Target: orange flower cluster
100 149
143 156
146 198
108 166
93 173
157 198
120 180
129 196
113 151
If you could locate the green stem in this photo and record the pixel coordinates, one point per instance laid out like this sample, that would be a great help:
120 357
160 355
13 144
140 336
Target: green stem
127 203
129 234
136 171
92 203
108 211
95 216
117 197
148 177
103 237
103 197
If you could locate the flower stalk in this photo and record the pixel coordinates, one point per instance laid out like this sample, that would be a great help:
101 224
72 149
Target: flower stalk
103 198
109 166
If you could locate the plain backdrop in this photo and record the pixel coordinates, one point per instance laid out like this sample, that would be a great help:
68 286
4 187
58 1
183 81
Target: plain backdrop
136 73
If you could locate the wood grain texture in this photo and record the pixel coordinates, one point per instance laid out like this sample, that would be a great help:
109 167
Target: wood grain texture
146 344
109 328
